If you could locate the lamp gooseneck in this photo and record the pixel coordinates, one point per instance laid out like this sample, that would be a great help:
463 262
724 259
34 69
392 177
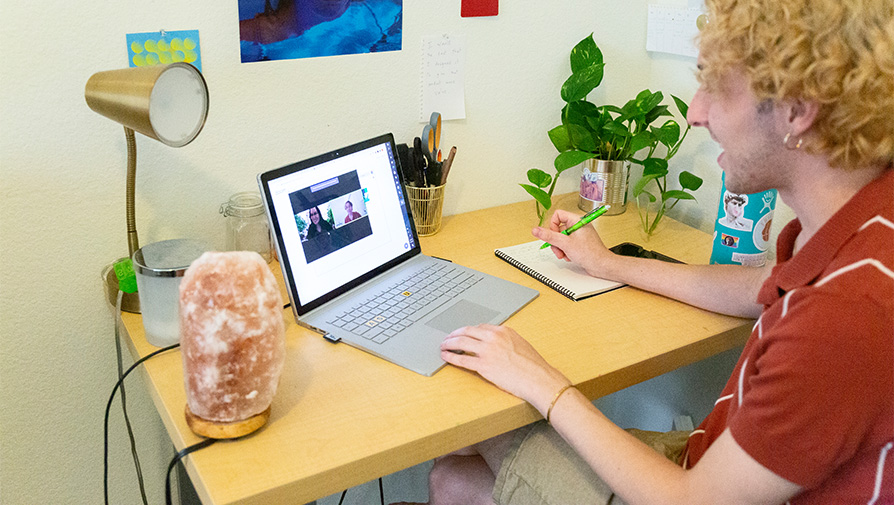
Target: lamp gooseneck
133 242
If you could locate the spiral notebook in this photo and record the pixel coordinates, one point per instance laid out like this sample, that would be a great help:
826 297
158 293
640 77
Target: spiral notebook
565 277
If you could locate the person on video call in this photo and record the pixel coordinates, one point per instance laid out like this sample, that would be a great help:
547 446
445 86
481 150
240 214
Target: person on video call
349 210
317 225
799 94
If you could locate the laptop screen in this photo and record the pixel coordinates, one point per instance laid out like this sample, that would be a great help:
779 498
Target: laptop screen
339 219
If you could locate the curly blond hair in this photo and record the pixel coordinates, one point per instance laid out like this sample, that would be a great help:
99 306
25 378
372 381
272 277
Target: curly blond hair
839 53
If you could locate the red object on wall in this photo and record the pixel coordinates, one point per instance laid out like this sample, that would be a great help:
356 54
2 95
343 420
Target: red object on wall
476 8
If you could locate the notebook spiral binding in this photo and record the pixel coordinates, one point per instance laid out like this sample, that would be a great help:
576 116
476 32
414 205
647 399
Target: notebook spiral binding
540 277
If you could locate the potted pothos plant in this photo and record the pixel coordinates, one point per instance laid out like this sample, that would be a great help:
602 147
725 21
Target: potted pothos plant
611 133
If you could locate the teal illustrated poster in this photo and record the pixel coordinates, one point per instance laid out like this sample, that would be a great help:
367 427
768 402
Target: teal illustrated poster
290 29
163 47
742 229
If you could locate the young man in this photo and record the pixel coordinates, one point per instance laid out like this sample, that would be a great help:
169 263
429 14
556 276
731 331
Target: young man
800 96
350 215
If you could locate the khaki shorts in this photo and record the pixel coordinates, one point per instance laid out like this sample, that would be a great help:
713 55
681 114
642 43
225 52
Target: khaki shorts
541 468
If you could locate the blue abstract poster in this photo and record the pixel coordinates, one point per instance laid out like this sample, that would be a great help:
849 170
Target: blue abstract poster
289 29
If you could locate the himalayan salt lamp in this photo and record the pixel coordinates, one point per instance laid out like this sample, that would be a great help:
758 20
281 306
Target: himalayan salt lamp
232 338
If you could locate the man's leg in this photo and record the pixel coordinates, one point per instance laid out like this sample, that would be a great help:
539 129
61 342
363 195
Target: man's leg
461 480
467 476
543 469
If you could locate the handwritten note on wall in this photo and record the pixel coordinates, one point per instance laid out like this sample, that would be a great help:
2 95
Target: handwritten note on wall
443 86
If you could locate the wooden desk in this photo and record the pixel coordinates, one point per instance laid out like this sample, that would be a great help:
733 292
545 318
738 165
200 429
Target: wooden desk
342 417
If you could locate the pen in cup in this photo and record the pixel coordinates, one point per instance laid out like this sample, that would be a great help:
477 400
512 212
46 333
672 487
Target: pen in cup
588 217
445 169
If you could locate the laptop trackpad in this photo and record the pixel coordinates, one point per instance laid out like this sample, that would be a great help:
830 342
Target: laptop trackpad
462 313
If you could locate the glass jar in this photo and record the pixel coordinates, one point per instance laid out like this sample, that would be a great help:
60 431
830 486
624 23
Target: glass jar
247 228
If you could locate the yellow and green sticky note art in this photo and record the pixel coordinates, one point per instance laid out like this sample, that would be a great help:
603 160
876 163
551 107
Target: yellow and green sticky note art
159 48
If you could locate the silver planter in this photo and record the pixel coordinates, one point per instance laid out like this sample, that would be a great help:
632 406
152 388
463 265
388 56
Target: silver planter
604 182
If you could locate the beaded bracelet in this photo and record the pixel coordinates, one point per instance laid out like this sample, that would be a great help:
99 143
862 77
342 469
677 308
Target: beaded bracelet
555 399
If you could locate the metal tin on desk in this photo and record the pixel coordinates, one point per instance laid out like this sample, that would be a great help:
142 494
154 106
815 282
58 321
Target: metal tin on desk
604 182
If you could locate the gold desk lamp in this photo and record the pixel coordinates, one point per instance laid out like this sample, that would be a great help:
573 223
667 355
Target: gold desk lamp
168 103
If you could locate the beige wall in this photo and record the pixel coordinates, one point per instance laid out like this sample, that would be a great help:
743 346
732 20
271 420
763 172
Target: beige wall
62 180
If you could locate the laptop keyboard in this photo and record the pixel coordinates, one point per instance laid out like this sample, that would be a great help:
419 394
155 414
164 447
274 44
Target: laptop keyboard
403 303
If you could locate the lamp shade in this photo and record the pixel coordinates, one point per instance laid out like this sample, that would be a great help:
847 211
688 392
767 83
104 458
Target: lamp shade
168 103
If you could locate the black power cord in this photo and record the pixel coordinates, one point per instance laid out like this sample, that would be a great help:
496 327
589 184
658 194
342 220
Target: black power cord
180 455
118 385
381 493
133 445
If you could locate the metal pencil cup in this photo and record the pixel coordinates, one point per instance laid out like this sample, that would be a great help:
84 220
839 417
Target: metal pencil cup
426 205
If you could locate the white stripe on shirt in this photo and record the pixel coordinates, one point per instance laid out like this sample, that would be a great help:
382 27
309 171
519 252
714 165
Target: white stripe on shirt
853 266
880 220
879 473
686 454
785 303
723 398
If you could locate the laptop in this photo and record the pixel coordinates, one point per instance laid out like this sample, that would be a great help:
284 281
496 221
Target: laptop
353 265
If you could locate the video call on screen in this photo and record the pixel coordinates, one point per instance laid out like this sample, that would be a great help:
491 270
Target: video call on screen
330 215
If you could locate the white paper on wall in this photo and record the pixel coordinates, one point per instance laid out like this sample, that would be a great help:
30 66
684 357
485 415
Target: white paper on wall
672 30
442 77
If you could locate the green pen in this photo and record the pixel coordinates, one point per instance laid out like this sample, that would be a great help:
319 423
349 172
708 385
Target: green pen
588 217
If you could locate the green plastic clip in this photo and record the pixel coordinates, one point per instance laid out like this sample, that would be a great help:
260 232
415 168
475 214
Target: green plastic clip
127 280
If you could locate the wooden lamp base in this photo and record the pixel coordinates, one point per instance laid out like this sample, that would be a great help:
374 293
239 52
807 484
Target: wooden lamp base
218 430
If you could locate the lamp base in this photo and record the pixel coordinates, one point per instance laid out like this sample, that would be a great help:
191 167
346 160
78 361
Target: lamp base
130 302
214 429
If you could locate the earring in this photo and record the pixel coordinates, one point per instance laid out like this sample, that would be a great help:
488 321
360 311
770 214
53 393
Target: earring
788 136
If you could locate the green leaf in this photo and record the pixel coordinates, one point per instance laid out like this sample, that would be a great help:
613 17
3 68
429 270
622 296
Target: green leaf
539 178
616 128
646 101
630 109
570 159
585 54
690 181
611 108
654 100
655 166
641 185
678 194
596 122
681 106
541 196
656 113
669 133
643 95
581 138
582 82
579 112
641 140
559 137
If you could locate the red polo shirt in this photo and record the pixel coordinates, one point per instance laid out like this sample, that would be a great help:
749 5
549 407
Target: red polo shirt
812 396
